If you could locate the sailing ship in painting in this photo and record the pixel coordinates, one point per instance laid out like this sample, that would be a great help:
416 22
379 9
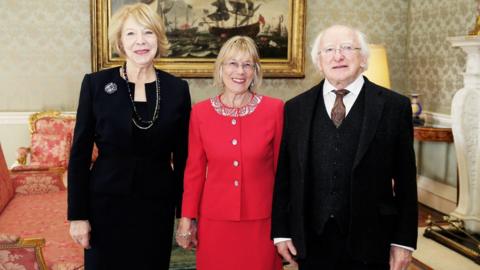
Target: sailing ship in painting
198 28
242 12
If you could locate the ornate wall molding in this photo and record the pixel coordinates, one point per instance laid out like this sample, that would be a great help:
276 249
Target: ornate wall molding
19 118
438 119
436 195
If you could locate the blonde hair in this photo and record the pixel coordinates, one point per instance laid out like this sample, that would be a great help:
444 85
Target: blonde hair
145 16
233 46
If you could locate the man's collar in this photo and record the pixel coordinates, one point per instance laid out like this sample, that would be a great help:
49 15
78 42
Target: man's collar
354 87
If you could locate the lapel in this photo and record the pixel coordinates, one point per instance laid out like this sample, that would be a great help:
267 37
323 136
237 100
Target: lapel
167 89
163 80
124 107
307 111
374 102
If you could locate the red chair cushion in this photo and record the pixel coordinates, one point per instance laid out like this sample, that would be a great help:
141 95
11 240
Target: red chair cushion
43 216
19 258
37 182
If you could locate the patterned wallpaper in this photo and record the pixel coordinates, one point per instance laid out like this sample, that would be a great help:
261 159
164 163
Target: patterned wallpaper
434 66
44 53
46 49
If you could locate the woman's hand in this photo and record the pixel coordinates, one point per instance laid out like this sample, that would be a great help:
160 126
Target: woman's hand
186 235
80 232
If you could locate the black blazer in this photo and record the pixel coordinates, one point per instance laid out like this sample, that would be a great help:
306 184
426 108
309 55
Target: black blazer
106 120
379 215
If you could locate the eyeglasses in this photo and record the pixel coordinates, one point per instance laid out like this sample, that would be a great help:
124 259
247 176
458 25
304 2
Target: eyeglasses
345 49
232 65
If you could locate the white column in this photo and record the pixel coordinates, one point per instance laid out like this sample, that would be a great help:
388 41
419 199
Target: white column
466 134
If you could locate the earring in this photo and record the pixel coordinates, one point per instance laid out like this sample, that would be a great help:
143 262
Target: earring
252 84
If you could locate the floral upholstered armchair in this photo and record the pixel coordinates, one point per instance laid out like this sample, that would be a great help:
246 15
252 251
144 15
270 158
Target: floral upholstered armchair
19 253
41 167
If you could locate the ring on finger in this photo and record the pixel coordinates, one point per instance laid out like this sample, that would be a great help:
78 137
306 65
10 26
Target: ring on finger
183 235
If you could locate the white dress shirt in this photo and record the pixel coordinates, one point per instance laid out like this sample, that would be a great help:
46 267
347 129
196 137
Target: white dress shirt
349 99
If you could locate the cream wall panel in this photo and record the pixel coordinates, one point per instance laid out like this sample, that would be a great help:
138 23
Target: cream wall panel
45 52
13 133
437 161
15 136
436 195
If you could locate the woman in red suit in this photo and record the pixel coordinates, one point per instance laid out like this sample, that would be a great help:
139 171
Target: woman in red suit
234 140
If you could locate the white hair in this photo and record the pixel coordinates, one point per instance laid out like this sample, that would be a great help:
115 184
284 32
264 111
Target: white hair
362 39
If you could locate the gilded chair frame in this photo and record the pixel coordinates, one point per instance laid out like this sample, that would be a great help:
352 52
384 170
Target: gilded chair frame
36 243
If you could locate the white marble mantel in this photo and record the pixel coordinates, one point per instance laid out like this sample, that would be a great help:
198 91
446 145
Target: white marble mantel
466 133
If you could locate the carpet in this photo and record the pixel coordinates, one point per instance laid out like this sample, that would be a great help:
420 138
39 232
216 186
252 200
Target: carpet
439 257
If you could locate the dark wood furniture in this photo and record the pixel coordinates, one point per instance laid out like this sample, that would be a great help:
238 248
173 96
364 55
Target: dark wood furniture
433 134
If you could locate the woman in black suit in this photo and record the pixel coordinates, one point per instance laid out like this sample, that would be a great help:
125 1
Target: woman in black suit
121 209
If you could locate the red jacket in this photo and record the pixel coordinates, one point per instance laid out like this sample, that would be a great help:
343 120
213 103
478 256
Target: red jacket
232 160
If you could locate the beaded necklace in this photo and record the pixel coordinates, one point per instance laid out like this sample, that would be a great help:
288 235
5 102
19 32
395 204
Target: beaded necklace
137 119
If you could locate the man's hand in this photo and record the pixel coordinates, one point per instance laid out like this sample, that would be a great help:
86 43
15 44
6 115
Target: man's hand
287 250
80 232
400 258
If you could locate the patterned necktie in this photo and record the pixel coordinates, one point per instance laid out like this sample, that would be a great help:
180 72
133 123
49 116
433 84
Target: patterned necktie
338 110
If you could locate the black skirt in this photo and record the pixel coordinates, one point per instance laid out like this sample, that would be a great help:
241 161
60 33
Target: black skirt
129 232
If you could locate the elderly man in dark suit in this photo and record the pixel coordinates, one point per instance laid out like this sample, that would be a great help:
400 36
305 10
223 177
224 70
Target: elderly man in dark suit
345 193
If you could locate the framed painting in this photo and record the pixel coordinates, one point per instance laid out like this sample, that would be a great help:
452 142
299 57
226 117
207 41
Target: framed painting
196 29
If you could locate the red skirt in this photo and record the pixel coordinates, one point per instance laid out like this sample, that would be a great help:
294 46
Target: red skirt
236 245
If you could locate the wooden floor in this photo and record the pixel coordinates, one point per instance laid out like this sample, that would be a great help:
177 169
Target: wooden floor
418 265
424 212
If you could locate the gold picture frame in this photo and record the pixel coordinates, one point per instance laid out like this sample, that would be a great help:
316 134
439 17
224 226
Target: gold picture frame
281 45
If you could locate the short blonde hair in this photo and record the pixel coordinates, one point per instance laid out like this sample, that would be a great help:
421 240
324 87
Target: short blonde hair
145 16
233 46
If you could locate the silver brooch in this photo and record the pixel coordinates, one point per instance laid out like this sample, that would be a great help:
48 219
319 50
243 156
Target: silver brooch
110 88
